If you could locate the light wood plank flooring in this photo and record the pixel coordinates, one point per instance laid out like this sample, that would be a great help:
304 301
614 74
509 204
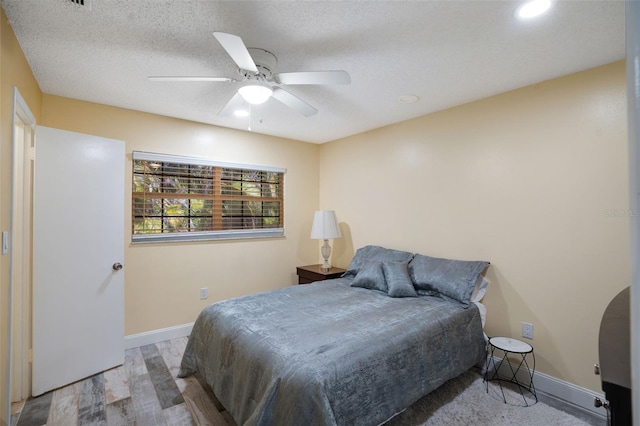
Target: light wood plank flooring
144 391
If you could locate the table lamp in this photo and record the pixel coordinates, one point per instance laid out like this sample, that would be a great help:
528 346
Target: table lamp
325 226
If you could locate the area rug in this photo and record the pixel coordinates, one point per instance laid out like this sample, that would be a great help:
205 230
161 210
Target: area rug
459 402
465 401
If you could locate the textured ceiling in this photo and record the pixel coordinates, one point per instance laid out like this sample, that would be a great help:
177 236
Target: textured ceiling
445 52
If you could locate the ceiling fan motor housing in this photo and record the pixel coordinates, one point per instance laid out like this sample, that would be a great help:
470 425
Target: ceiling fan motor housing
265 63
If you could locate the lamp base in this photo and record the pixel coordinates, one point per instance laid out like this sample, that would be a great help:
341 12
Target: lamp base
326 253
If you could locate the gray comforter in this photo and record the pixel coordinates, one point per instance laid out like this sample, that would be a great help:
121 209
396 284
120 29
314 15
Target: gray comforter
329 354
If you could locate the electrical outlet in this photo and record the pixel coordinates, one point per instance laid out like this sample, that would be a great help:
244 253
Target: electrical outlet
527 330
204 293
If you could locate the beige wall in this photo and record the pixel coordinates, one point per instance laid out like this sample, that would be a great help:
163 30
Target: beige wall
14 71
163 281
524 180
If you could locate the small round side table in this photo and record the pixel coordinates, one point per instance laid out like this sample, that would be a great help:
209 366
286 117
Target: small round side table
521 350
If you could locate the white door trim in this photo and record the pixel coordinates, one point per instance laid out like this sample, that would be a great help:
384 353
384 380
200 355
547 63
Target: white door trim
19 380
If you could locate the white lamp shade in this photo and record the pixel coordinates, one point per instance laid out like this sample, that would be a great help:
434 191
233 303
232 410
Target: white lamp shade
325 225
255 94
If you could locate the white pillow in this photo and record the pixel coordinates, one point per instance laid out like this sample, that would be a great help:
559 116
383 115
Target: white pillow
480 289
483 313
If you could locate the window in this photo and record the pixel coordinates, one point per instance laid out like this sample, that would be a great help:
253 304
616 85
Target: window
183 198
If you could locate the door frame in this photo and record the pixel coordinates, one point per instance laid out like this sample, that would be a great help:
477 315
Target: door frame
19 375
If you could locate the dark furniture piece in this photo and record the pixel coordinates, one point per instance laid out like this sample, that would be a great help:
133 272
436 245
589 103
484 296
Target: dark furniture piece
615 359
311 273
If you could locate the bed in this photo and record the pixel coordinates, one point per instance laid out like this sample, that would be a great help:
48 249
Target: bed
342 351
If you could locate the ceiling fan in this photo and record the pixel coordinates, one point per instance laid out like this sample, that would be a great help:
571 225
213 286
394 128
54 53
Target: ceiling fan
259 79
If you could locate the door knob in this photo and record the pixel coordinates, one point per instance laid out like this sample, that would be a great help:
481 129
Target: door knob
117 266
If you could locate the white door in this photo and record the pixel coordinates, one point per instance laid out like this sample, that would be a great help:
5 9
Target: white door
78 243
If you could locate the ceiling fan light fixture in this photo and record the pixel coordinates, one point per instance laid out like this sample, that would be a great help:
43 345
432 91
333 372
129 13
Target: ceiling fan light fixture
255 94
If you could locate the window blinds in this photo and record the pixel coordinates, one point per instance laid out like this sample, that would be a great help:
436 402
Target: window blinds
177 198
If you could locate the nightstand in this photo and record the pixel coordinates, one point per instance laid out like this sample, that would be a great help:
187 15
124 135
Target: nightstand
311 273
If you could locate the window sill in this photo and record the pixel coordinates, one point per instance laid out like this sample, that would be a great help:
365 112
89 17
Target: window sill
208 236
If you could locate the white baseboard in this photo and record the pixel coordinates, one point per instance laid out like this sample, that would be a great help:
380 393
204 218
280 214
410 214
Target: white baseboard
569 392
556 388
155 336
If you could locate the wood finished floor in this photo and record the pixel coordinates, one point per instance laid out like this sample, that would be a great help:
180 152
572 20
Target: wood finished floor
144 391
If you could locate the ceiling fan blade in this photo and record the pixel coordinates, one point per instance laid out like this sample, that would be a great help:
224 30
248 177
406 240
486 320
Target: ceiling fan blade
314 77
293 102
236 48
187 78
234 104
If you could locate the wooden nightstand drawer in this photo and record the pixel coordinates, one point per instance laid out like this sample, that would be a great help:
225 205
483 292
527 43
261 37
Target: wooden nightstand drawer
310 273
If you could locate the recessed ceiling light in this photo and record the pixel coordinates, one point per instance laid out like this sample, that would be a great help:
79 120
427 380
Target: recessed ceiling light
408 99
533 8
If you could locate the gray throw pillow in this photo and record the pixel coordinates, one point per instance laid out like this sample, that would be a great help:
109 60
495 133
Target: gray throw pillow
370 276
399 284
363 254
454 279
